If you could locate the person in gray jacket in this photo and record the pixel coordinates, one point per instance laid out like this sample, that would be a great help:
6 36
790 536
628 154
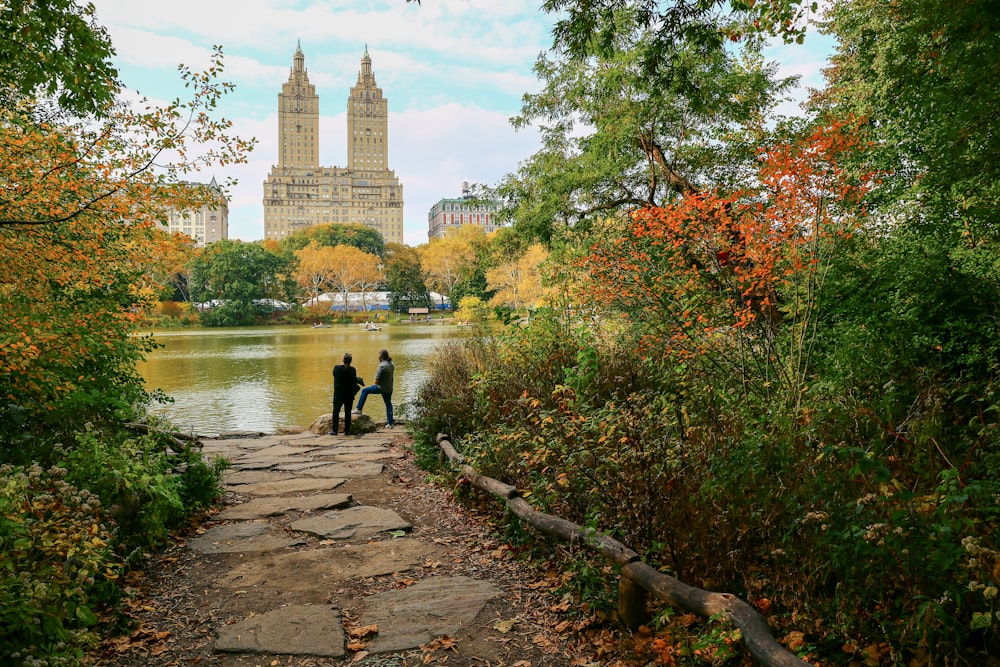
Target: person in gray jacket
383 386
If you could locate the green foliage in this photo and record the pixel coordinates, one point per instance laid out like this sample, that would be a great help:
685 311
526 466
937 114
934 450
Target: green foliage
145 490
914 69
404 279
618 137
675 460
56 49
361 237
443 400
57 567
241 276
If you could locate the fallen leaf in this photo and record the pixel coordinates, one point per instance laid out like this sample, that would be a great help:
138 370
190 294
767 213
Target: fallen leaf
505 626
360 655
687 620
363 631
795 640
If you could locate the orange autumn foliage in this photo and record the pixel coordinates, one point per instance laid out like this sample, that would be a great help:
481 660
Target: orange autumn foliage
714 266
80 209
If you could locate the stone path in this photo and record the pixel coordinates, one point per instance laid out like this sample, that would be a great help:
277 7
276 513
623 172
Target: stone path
305 563
274 474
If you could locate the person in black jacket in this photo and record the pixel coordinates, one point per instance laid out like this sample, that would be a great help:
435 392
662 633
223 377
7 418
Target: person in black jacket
345 386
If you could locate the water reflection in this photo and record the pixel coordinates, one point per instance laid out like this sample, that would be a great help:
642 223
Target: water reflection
270 377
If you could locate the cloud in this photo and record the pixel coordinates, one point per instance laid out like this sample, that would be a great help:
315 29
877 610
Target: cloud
453 71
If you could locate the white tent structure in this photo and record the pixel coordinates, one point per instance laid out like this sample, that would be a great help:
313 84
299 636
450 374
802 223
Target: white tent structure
362 301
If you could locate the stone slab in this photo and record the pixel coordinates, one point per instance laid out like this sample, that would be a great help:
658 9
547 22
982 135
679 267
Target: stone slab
261 508
243 537
293 630
240 477
297 464
251 442
349 469
414 616
274 570
262 464
374 456
362 521
295 485
281 451
339 449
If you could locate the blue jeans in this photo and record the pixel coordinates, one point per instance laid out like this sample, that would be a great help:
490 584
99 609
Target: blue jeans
386 398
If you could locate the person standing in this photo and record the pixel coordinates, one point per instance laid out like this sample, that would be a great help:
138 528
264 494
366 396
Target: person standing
345 387
383 385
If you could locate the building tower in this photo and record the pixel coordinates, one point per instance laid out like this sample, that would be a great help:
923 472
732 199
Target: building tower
298 117
367 122
299 193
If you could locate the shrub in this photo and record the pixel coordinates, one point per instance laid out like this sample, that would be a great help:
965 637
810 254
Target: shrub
57 566
147 491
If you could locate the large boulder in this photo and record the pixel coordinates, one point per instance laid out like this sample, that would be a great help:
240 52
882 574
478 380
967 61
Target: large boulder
359 424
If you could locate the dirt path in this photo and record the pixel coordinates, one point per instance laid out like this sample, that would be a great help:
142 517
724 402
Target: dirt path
334 551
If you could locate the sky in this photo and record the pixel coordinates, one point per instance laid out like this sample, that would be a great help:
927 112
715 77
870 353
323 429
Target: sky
454 73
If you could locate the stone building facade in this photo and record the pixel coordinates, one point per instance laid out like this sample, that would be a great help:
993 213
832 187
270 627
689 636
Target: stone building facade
205 224
450 214
299 193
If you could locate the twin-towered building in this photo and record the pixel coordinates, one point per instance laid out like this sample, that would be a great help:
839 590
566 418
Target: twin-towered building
299 193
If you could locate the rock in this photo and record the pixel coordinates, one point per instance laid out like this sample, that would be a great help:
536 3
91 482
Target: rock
296 485
416 615
361 521
360 424
294 630
350 469
261 508
245 537
281 571
240 477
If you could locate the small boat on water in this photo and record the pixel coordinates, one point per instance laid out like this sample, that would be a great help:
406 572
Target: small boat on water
371 326
321 326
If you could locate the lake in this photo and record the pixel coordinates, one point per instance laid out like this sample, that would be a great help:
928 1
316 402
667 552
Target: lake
263 378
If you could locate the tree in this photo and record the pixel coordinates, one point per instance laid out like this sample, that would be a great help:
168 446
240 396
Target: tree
170 266
353 270
241 277
78 203
472 309
314 270
734 279
404 278
359 236
517 282
56 49
915 70
446 261
618 138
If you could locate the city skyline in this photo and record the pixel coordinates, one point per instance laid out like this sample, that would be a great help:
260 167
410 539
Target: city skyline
455 71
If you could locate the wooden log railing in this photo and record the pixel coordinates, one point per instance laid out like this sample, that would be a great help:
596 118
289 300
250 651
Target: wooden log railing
637 578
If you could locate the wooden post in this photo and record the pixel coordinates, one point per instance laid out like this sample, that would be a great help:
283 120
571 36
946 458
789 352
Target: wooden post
631 604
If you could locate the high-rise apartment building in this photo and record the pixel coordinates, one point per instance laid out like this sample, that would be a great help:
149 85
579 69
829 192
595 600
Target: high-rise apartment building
299 193
206 224
450 214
